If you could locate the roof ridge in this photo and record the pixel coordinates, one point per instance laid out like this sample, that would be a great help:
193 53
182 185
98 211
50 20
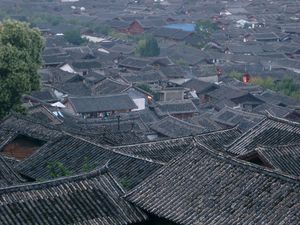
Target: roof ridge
174 101
116 81
144 124
9 138
48 143
266 119
152 142
218 131
278 146
137 157
50 183
118 152
234 161
243 112
113 177
282 120
207 133
246 133
99 96
182 121
29 119
141 90
11 169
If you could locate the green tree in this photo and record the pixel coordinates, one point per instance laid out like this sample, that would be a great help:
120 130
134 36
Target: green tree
57 169
74 37
20 58
287 86
148 47
181 62
99 28
87 166
205 27
145 87
39 18
236 75
267 82
126 183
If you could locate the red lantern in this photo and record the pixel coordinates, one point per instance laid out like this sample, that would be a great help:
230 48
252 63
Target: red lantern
219 71
246 78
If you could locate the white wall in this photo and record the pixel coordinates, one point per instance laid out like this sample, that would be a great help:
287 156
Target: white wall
67 68
140 103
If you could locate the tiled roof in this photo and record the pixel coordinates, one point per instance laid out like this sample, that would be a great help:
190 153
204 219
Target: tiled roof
76 153
175 107
226 92
204 120
102 103
88 64
134 63
207 187
232 117
173 127
170 33
271 131
218 140
8 175
16 124
109 86
275 98
144 77
78 88
93 198
285 158
274 110
159 151
199 86
294 116
44 95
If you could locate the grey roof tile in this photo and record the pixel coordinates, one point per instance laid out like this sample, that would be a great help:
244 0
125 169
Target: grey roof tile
206 187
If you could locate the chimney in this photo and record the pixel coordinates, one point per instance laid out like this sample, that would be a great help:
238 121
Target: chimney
85 72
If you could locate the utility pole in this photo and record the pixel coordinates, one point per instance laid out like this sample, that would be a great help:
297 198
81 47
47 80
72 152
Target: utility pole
118 116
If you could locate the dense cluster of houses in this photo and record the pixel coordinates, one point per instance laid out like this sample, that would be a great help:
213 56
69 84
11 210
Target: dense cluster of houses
114 138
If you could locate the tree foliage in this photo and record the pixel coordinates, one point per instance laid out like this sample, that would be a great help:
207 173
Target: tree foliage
148 47
20 58
266 82
41 18
205 27
87 166
126 183
74 37
287 86
57 169
236 75
145 87
181 62
100 28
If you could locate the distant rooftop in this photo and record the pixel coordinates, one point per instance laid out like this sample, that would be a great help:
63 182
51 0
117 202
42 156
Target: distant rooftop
182 26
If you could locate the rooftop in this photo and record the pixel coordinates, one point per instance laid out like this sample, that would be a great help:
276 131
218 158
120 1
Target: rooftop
104 103
89 198
206 187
